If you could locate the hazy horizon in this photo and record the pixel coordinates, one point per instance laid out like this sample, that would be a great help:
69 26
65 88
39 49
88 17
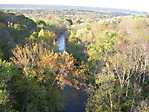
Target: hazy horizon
116 4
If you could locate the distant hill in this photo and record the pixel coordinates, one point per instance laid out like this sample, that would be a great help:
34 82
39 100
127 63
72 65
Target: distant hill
63 7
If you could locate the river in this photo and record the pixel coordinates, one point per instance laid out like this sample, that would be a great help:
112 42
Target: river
61 41
74 99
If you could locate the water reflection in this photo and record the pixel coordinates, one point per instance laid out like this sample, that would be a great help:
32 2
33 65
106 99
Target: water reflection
61 42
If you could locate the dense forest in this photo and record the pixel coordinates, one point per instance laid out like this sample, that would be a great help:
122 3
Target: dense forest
108 59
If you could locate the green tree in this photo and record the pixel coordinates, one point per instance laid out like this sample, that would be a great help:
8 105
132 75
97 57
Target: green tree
7 72
122 84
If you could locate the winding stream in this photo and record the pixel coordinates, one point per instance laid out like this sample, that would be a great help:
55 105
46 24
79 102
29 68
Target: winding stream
61 42
74 99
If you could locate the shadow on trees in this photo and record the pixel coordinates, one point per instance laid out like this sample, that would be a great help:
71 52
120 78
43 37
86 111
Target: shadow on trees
14 29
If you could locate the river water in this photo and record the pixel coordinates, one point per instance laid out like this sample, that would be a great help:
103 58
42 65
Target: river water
74 99
61 42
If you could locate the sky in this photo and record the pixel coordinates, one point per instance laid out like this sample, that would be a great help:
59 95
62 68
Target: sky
138 5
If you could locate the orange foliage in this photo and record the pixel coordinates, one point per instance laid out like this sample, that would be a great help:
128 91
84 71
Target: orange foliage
58 68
